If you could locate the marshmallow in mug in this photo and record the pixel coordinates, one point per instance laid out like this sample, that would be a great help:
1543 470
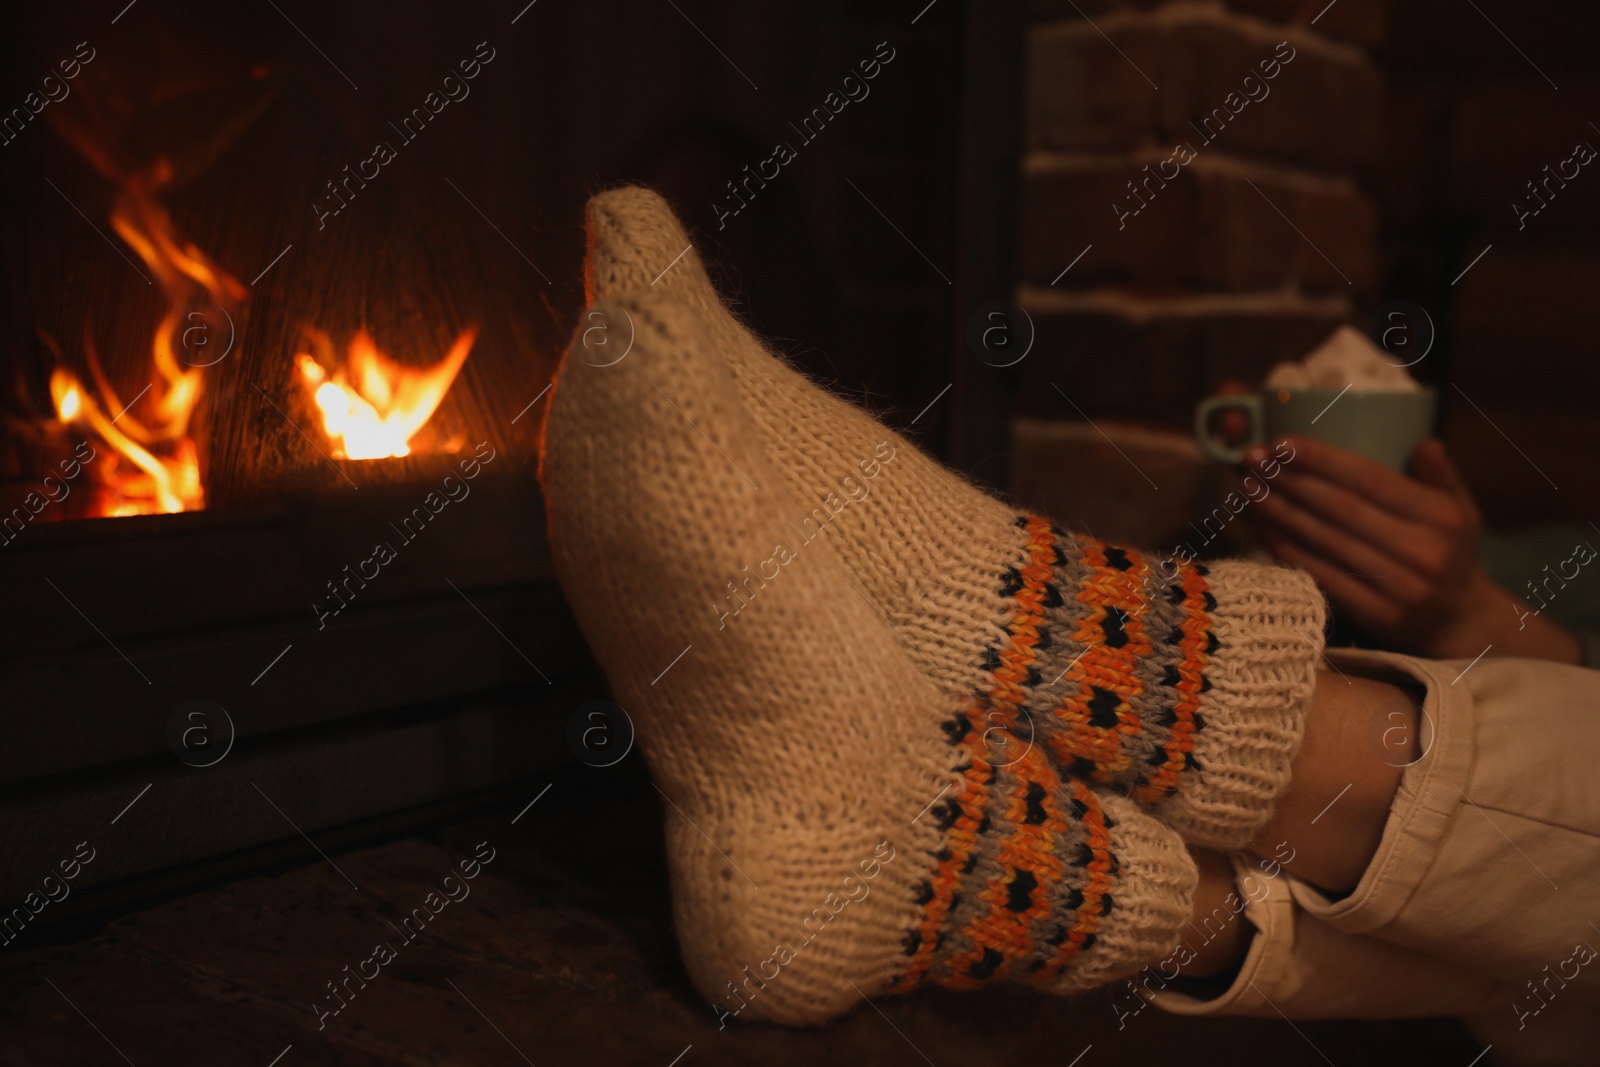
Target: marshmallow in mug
1345 358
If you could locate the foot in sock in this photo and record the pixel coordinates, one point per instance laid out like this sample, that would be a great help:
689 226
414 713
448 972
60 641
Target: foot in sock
1181 685
837 826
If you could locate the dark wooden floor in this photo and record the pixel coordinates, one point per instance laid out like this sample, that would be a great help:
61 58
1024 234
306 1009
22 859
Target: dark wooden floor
562 954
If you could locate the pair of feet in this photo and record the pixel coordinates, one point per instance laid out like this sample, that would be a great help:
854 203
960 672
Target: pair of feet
905 733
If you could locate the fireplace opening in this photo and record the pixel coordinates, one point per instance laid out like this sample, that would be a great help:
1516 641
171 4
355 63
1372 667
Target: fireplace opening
281 323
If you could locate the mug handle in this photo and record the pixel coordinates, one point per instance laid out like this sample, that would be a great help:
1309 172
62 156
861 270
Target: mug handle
1249 403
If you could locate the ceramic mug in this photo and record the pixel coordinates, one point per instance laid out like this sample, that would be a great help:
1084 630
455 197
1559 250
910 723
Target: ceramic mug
1385 426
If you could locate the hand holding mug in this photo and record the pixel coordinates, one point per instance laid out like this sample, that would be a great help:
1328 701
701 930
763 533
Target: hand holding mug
1396 554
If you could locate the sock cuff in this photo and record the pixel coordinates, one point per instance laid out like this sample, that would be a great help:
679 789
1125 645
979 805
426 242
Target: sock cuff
1155 900
1268 623
1181 684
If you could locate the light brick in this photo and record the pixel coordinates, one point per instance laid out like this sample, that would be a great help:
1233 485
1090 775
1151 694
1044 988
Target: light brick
1065 468
1363 22
1208 227
1321 108
1153 369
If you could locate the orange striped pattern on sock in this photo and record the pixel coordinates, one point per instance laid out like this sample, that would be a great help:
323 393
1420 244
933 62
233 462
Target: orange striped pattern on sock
1104 668
1196 644
1101 868
995 710
972 797
1004 934
1041 827
1017 658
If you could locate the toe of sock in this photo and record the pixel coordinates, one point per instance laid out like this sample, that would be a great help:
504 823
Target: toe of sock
636 242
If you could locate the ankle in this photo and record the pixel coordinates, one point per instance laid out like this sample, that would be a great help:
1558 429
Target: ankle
1360 737
1220 949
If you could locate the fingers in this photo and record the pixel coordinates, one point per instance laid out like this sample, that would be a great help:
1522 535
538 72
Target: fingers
1376 564
1402 516
1368 478
1406 559
1392 551
1307 497
1348 510
1432 465
1364 605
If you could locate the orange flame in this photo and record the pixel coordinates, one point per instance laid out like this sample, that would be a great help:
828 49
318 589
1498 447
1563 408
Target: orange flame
164 485
165 468
372 406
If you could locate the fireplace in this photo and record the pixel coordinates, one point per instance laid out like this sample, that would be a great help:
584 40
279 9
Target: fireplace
284 298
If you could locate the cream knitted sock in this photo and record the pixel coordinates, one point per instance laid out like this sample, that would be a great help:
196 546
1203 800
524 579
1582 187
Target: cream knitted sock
1182 685
836 826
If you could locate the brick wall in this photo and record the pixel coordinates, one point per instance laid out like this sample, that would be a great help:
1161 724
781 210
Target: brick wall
1212 165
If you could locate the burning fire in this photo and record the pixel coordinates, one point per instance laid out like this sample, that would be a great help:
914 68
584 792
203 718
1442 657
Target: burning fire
372 406
154 466
160 485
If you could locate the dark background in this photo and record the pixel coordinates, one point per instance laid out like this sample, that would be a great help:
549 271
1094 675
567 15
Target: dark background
1470 120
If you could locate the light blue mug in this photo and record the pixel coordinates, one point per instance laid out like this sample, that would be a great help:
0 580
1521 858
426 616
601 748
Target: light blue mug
1385 426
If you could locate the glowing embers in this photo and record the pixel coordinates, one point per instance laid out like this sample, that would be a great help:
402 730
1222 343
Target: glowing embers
372 406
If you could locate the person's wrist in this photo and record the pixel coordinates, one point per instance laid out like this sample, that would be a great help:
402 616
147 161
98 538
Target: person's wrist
1484 617
1490 615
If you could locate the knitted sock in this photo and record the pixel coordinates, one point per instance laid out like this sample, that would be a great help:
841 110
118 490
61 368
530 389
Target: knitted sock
836 826
1180 684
